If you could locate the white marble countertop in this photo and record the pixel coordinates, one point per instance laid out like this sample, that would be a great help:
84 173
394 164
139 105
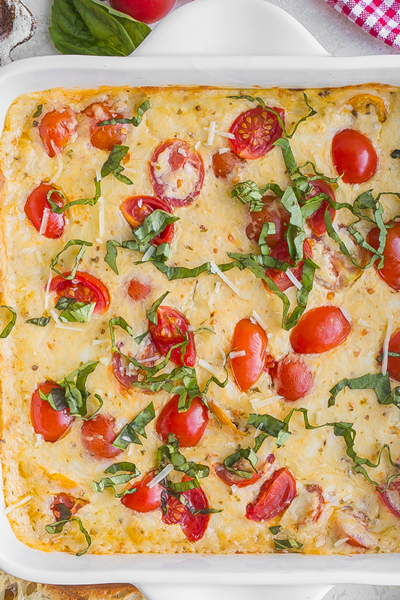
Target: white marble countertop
340 37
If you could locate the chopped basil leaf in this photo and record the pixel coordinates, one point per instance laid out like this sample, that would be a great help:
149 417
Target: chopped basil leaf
372 381
129 433
73 311
395 154
275 529
170 454
269 426
153 225
67 517
390 354
135 121
287 544
38 111
173 273
151 314
118 322
40 321
7 329
139 339
111 482
183 500
113 164
82 202
242 454
249 193
78 258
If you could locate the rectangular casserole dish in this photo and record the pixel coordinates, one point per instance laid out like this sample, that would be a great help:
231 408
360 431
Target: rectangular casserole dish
157 63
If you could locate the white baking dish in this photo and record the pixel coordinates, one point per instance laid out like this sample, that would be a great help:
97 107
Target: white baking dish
239 43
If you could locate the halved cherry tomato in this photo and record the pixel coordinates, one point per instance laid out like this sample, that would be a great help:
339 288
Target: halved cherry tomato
252 339
355 531
280 278
232 479
292 378
73 504
171 328
138 290
137 208
56 130
255 132
317 219
223 164
319 330
147 11
193 526
98 436
391 498
273 212
393 366
188 426
354 156
49 423
126 375
34 209
274 497
145 499
83 288
106 136
177 172
390 273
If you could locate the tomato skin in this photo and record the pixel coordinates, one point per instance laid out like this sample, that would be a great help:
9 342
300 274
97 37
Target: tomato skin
232 479
34 209
261 128
393 366
390 273
251 338
319 330
165 335
391 498
188 426
73 504
292 378
135 215
107 136
280 278
98 435
144 499
274 497
170 152
49 423
193 526
84 287
317 220
354 155
120 366
147 11
224 164
273 212
56 129
138 290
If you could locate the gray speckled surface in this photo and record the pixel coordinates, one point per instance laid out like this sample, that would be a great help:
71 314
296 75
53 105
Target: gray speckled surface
341 38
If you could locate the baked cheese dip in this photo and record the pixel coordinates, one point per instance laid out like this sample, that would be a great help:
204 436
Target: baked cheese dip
201 328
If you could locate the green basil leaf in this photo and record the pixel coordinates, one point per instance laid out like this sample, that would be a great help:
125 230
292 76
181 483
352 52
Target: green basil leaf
289 544
275 529
129 433
242 454
294 234
153 225
78 257
151 314
269 426
135 121
39 322
170 454
7 329
112 164
56 398
118 322
139 339
173 273
38 111
395 154
82 202
59 526
111 482
74 312
372 381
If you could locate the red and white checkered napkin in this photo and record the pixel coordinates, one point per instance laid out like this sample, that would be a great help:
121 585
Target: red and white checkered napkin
381 18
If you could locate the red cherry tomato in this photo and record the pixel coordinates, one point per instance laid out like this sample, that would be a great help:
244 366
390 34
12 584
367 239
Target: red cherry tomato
354 156
107 136
98 436
275 496
73 504
390 273
252 339
391 498
292 378
49 423
188 426
232 479
83 288
147 11
123 373
224 164
177 172
319 330
273 212
280 278
138 290
171 324
145 499
56 130
317 220
255 132
34 209
137 208
193 526
393 366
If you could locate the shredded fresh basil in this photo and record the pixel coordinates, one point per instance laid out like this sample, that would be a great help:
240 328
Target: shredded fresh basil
122 472
151 314
66 517
129 433
73 311
135 121
38 111
153 225
372 381
290 544
139 339
170 454
113 164
395 154
249 193
39 322
78 257
7 329
275 529
183 500
82 202
242 454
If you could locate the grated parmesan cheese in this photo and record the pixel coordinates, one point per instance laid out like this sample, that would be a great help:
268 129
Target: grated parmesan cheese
45 220
166 471
60 163
18 504
182 151
237 354
341 541
208 367
234 488
263 402
148 253
223 150
197 145
47 291
217 271
346 314
386 345
140 203
60 325
293 279
98 342
211 133
101 219
259 320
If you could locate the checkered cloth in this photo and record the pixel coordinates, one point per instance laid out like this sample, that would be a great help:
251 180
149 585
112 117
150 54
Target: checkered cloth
381 18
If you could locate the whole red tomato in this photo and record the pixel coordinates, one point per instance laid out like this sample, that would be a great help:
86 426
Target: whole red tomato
147 11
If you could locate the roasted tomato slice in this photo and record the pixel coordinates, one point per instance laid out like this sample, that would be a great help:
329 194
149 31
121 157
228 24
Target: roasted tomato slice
273 212
188 426
317 219
193 526
107 136
391 498
137 208
83 288
275 496
250 338
232 479
354 156
223 164
171 328
393 366
280 278
56 129
124 371
390 273
34 209
255 132
355 531
319 330
138 290
292 378
49 423
177 172
98 435
145 499
73 504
